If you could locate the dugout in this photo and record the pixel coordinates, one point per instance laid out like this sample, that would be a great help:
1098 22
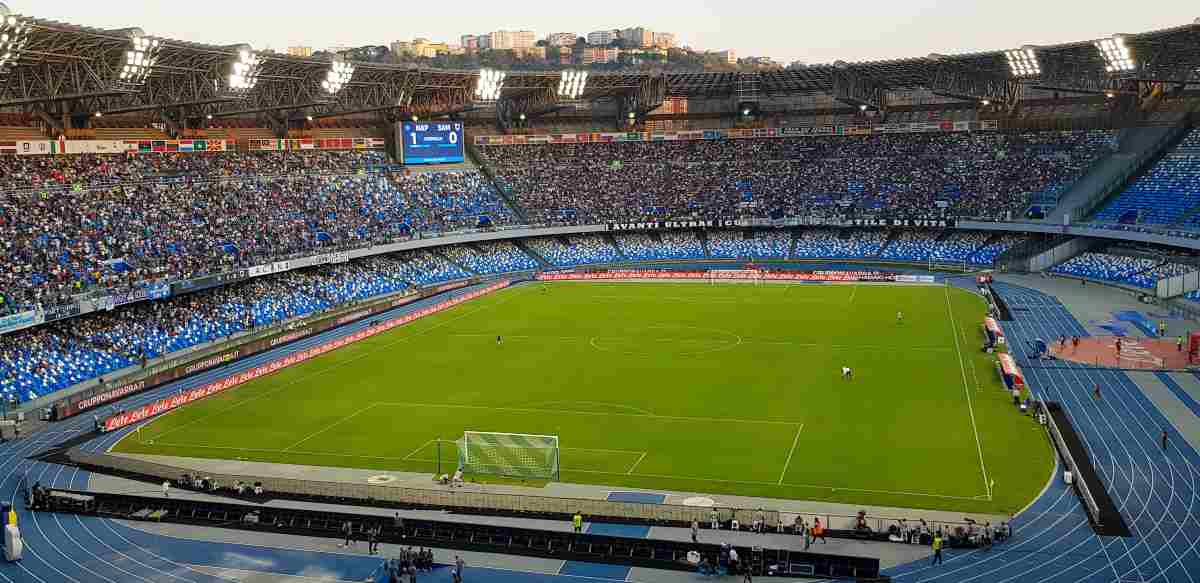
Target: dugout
1010 373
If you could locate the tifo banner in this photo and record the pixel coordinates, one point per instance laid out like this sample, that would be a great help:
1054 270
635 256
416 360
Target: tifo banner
931 223
175 401
20 321
815 276
785 132
665 225
63 146
317 144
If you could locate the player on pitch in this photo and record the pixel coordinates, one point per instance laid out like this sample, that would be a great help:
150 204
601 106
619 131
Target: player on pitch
899 318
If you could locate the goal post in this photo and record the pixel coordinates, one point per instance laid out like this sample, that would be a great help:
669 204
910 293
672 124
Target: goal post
516 455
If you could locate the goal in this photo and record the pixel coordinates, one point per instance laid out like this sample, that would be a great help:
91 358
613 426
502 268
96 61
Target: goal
518 455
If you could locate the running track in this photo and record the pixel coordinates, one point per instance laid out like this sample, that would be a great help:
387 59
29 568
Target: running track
1156 492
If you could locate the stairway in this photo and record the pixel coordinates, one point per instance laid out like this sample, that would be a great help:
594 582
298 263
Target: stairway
475 158
1139 149
534 254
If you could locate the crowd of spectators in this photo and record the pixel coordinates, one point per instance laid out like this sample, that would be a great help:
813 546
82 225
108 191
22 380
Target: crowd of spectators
983 174
235 209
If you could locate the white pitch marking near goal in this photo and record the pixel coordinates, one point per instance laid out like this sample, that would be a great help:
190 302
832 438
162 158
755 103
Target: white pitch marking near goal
636 464
967 391
788 462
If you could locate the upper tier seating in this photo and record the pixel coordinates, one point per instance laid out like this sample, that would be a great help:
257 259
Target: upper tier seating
1166 193
229 210
982 174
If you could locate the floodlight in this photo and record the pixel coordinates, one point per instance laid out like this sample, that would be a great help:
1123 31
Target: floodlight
308 117
1023 62
572 84
862 107
243 72
746 111
14 33
98 114
140 59
985 102
339 75
1117 57
209 116
490 84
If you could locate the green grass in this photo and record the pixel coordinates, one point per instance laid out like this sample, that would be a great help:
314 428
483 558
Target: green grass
723 389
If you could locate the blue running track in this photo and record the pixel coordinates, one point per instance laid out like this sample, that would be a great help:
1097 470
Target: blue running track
1155 490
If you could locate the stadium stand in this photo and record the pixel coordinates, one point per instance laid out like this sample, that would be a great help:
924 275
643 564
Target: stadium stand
491 258
248 211
574 250
1166 193
1108 267
775 244
989 175
835 244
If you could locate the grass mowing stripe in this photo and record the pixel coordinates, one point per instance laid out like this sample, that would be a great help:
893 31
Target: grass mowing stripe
715 422
596 413
365 353
331 426
954 330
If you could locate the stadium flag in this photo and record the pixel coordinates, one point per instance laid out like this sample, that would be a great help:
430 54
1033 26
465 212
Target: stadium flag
59 146
186 145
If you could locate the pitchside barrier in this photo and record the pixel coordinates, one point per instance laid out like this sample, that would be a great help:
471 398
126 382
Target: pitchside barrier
740 274
443 497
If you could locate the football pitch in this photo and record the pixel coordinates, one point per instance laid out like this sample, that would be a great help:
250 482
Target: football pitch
721 389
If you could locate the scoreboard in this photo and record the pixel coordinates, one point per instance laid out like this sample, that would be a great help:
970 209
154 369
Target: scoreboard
430 142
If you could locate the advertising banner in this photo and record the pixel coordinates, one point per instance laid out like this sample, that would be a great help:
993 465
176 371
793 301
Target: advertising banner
747 274
668 225
20 321
783 132
175 401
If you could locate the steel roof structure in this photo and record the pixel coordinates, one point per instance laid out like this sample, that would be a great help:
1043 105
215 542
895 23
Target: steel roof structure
60 70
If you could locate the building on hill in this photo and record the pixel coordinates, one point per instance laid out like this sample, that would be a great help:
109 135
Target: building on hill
511 39
637 37
665 40
299 51
419 47
599 55
602 38
561 39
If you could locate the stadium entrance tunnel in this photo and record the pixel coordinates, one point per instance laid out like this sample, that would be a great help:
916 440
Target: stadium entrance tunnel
667 340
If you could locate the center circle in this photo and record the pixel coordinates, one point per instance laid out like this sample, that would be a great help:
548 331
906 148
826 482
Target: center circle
666 339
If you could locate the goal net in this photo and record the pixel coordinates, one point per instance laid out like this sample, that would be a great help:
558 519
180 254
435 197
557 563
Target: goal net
509 454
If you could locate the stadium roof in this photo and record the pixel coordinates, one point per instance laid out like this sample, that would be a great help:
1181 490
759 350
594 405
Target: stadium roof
61 68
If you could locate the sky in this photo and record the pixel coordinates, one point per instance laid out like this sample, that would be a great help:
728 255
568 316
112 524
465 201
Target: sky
786 30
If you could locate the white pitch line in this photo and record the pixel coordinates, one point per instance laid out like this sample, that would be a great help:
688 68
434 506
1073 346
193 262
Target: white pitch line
592 413
853 290
364 354
967 391
332 425
636 464
788 462
418 450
